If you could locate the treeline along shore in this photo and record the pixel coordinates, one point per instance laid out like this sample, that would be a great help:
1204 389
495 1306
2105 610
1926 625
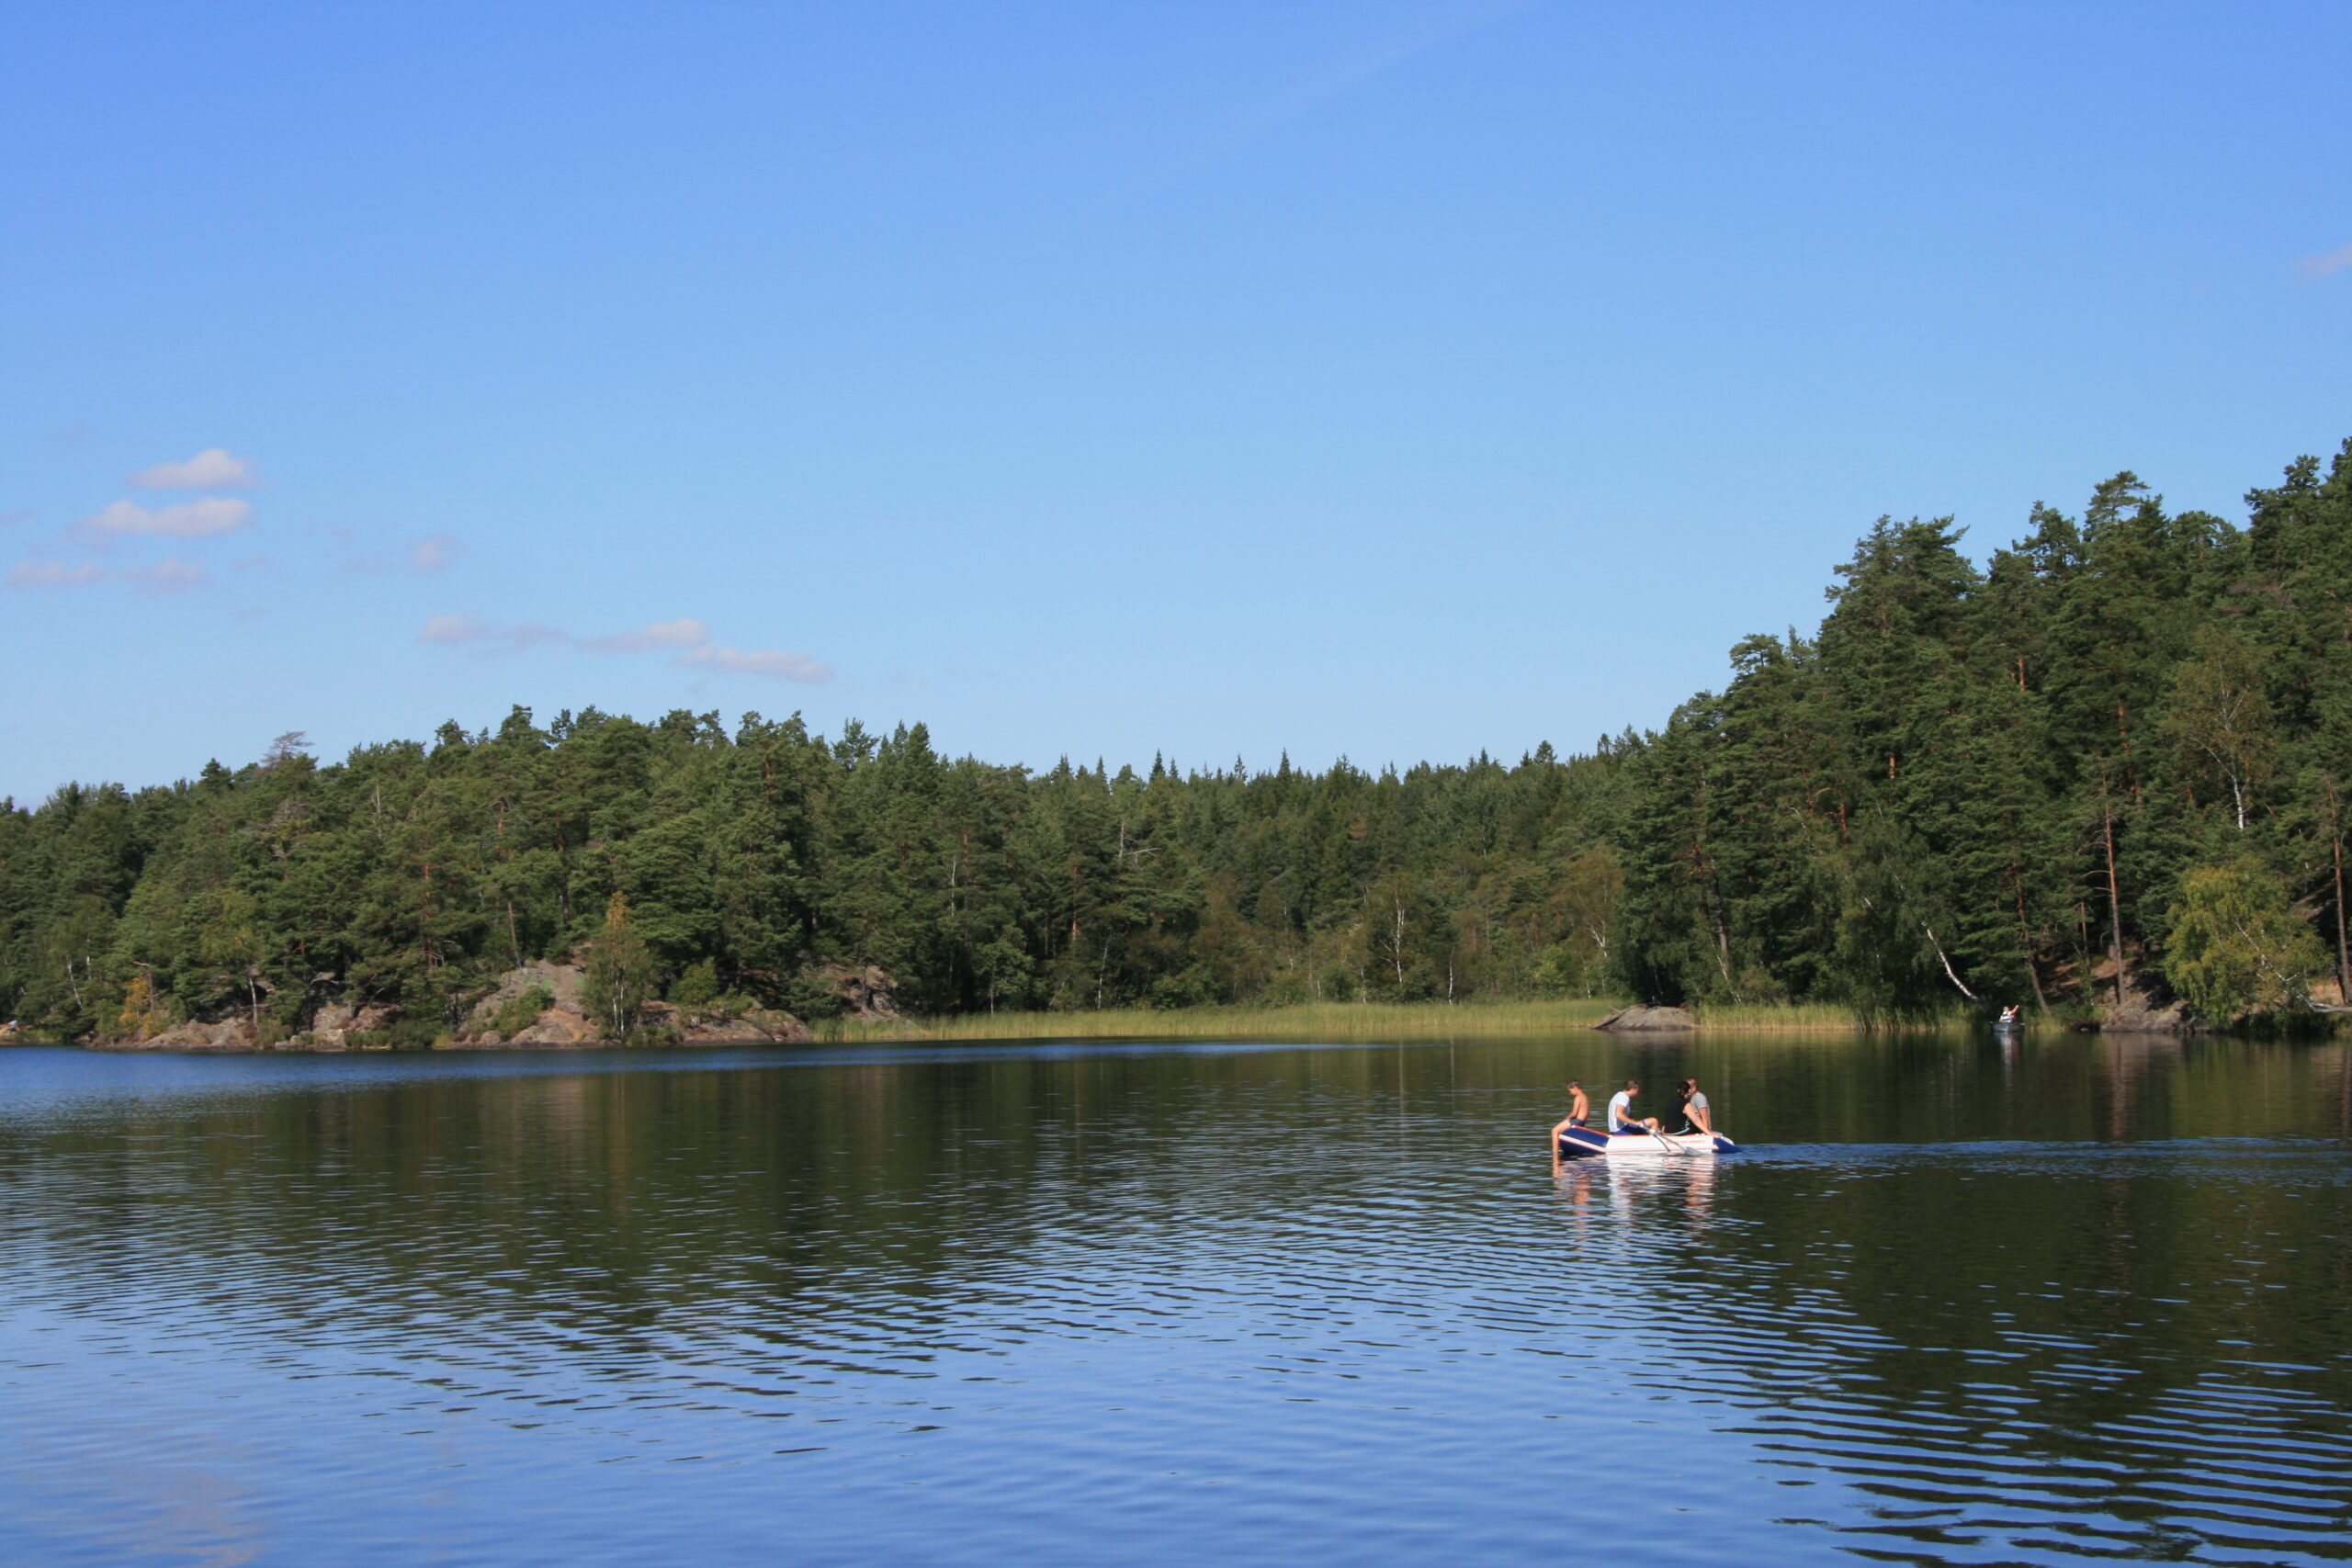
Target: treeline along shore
2102 778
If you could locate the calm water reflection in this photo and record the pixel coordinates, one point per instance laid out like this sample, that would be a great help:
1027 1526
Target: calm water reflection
1161 1304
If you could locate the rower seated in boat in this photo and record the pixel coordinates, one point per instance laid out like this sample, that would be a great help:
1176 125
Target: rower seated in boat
1620 1110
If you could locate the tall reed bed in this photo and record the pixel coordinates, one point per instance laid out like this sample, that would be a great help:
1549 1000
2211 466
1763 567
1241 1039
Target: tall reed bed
1306 1021
1350 1022
1817 1018
1803 1018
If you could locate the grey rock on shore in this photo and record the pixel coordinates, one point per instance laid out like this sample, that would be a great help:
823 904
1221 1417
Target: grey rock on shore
1644 1019
564 1022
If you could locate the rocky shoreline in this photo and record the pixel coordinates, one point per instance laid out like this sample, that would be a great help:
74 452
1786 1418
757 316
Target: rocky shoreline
536 1007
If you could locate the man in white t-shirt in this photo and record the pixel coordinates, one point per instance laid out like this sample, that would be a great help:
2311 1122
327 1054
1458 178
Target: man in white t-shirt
1620 1110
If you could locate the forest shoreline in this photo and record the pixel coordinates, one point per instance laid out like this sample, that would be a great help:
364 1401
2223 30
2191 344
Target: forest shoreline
1434 1022
2104 776
1437 1022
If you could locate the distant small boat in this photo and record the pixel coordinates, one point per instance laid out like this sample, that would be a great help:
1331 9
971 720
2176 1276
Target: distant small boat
1587 1143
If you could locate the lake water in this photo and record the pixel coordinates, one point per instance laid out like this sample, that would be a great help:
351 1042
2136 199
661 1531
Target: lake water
1082 1304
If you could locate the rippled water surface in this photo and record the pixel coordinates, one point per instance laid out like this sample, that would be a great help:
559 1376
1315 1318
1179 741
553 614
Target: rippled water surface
1235 1305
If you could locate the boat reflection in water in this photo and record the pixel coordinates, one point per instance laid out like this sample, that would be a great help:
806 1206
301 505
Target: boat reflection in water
1644 1197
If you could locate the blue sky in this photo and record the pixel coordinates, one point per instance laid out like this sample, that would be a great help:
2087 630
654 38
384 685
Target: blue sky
1397 380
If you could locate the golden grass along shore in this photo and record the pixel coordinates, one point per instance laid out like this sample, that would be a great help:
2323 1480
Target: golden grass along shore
1430 1021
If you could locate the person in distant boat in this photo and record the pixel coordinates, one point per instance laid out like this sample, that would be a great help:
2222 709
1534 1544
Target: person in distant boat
2010 1013
1620 1110
1693 1114
1579 1111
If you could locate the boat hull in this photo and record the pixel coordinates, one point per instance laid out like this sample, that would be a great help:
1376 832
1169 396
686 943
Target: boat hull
1587 1143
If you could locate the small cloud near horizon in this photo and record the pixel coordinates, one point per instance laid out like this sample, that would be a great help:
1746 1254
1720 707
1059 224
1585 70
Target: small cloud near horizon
182 520
171 575
782 665
474 629
52 574
684 632
2321 265
432 552
212 468
689 635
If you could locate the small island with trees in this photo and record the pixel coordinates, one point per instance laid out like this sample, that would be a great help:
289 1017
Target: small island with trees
2102 777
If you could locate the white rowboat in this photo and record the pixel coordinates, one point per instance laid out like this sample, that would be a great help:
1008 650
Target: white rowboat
1587 1143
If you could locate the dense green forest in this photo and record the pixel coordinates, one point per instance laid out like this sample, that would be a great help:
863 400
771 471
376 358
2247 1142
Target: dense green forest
2107 769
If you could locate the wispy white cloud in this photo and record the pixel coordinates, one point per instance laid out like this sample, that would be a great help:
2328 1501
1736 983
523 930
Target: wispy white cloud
474 629
200 519
1336 78
9 519
432 552
168 576
212 468
775 662
2321 265
684 632
52 574
688 637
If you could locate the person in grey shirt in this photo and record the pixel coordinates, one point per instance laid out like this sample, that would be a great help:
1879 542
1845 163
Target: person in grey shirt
1697 1117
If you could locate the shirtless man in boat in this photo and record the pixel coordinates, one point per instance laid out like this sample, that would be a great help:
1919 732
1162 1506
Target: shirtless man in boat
1620 1110
1579 1111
